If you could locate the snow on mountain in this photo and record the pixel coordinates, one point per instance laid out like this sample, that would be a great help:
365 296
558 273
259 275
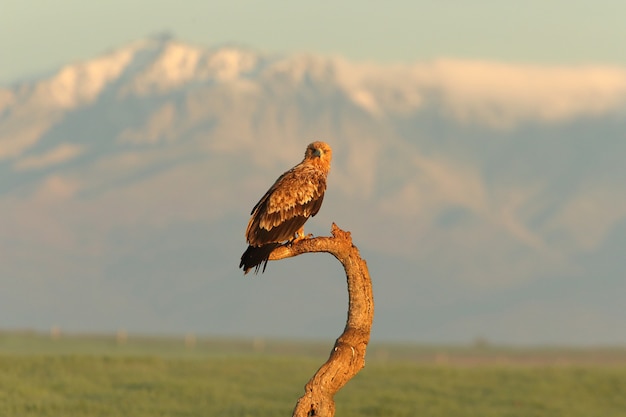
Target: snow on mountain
506 95
473 188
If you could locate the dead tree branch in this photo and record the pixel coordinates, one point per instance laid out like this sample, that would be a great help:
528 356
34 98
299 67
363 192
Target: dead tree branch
348 355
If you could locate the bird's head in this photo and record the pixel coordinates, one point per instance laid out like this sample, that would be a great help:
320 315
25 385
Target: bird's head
320 152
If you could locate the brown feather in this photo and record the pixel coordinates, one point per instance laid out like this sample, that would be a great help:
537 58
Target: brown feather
255 256
291 200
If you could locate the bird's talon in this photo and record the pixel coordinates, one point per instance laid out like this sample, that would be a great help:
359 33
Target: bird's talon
299 238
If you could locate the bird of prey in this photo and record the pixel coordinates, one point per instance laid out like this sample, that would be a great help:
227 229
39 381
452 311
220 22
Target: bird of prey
280 214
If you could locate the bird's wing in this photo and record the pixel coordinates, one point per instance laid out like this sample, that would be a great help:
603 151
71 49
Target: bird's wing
282 211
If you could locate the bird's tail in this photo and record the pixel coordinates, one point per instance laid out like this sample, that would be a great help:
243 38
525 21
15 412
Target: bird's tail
254 256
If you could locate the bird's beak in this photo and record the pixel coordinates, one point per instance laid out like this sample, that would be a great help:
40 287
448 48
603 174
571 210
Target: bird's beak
317 153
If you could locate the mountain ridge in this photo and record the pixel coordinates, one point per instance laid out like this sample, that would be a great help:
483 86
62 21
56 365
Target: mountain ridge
468 183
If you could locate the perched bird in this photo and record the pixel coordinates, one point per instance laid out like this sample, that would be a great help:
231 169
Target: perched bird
280 214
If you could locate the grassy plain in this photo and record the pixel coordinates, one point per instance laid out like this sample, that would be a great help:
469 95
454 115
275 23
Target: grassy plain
108 376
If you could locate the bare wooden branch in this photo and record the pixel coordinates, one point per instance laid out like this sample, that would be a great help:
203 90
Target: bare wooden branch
348 355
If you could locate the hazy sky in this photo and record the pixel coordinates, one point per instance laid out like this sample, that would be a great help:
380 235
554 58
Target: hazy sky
39 35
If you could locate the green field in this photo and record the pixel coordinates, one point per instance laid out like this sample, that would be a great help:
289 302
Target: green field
130 376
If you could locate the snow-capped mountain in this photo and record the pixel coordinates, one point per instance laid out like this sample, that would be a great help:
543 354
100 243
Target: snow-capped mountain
488 198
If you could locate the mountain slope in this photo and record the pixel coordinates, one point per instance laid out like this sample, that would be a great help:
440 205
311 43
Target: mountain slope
487 198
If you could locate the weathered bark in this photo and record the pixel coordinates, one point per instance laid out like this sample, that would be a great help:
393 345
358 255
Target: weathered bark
348 355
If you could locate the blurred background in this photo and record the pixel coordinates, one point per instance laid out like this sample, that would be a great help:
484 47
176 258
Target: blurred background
478 162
